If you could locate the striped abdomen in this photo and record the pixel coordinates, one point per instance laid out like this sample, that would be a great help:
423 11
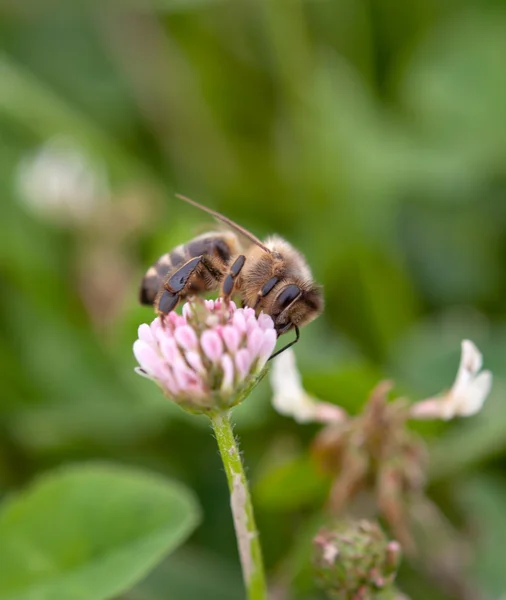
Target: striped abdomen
218 247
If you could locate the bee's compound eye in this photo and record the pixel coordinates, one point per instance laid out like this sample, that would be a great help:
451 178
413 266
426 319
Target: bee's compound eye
167 302
288 295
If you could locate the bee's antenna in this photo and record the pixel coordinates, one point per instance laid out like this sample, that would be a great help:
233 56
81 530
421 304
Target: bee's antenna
226 220
297 336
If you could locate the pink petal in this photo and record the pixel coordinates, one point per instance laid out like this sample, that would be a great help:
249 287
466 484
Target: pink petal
268 344
168 381
162 333
187 310
228 373
186 337
148 358
211 345
248 312
239 321
243 362
170 351
209 305
145 334
255 340
195 362
140 371
155 327
265 322
232 337
194 387
175 320
251 324
184 376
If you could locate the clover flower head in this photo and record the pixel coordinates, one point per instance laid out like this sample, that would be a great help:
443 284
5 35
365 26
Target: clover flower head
467 394
207 358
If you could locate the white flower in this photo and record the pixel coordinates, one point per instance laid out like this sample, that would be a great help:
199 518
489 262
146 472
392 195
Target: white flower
59 182
290 398
467 394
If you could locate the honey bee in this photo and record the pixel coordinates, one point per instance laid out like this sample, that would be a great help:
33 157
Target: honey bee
270 276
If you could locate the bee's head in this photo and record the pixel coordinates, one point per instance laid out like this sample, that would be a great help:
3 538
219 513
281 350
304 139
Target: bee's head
295 306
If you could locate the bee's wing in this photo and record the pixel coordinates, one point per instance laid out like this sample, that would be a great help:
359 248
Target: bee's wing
218 246
153 279
244 232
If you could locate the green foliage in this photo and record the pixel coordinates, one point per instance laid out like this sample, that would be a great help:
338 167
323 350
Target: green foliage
89 532
191 574
484 497
299 475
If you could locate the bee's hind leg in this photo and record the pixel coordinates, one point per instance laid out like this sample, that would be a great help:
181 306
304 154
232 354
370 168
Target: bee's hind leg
177 284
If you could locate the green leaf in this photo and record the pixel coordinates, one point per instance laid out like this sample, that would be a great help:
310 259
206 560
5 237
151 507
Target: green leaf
90 532
191 574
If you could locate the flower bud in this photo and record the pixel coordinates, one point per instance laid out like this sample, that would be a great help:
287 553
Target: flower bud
354 559
208 358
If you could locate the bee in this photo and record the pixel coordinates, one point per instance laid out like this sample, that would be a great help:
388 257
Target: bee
270 276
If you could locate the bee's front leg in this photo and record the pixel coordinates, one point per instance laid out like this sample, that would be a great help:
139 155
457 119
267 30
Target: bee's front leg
289 345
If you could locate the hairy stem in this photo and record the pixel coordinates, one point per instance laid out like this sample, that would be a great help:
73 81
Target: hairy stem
242 510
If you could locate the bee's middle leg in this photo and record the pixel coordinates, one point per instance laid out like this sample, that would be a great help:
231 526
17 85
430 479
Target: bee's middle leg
227 287
177 284
266 289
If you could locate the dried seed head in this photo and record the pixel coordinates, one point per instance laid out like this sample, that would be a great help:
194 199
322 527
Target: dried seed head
354 559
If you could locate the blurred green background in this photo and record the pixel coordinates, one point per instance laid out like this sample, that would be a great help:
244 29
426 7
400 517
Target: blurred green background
370 133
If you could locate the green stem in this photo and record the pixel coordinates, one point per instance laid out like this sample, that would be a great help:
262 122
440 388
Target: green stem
242 510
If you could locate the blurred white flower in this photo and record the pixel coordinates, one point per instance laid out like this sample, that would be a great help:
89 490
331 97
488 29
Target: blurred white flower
290 398
60 182
467 394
